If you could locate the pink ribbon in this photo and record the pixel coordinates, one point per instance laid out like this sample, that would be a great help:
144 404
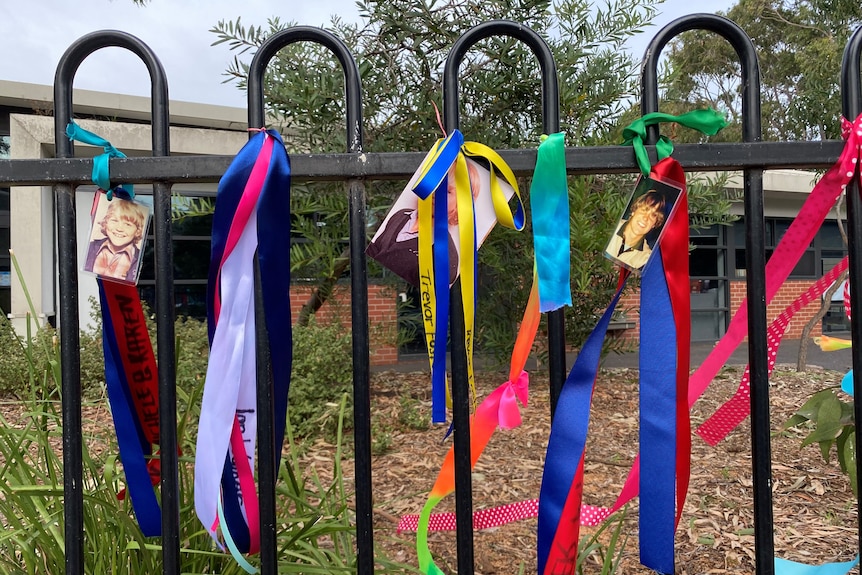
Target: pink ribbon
508 412
731 414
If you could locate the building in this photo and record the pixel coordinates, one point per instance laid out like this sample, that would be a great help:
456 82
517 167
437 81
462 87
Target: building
26 222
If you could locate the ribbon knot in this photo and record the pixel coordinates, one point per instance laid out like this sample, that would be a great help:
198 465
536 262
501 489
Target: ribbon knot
508 413
706 121
101 171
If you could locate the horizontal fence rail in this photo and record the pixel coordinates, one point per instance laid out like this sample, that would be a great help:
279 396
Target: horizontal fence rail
402 165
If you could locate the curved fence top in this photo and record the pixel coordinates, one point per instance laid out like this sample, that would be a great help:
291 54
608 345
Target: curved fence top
352 83
71 61
742 44
550 87
851 77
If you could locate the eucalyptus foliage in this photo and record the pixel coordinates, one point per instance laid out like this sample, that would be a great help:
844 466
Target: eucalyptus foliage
400 47
799 44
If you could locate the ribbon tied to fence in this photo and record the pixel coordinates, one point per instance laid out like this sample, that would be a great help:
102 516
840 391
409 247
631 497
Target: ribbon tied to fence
251 212
131 374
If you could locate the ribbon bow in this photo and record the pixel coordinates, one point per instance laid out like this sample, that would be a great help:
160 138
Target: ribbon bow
706 121
101 172
508 414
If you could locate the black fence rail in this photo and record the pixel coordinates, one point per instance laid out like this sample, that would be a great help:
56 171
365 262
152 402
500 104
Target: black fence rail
65 173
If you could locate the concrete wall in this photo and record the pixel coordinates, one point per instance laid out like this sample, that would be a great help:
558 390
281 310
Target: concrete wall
32 208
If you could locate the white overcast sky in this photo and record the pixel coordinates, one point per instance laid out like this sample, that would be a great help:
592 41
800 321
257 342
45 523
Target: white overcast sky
35 33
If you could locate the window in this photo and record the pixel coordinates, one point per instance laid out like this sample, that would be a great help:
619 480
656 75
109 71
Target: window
191 239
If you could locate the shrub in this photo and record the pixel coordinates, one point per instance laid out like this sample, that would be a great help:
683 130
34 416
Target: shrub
322 374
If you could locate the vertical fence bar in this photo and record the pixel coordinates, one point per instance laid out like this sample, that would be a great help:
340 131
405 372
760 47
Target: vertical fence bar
69 323
851 100
359 303
556 322
755 256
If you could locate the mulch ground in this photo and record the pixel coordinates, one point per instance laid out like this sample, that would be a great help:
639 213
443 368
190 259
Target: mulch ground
815 513
814 510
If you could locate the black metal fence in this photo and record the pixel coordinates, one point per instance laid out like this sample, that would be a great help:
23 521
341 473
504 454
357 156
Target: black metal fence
66 172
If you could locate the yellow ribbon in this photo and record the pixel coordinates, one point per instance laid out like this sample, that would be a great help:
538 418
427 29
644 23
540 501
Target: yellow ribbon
467 240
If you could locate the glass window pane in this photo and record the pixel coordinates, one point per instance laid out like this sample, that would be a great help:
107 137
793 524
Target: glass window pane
703 261
806 266
830 237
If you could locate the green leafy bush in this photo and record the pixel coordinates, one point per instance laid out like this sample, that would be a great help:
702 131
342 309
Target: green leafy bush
831 422
322 374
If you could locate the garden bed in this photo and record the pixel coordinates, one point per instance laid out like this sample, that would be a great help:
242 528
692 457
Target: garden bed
815 512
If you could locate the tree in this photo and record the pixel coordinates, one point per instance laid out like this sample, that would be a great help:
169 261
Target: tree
400 47
799 44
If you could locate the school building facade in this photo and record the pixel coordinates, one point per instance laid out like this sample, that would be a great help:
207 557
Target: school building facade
27 225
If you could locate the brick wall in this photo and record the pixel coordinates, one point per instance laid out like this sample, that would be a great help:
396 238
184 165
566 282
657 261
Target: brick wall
382 316
791 289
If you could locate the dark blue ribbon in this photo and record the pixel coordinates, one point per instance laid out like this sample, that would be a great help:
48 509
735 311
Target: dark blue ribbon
273 218
569 435
447 152
441 289
133 444
658 359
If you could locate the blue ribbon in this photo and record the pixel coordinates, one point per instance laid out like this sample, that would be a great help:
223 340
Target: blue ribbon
785 567
273 214
130 437
657 421
569 435
443 159
101 173
441 289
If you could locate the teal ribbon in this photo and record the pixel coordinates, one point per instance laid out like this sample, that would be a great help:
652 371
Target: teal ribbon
549 198
707 121
785 567
101 173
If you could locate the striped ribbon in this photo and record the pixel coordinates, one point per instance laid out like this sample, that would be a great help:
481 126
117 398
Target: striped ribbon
252 210
448 158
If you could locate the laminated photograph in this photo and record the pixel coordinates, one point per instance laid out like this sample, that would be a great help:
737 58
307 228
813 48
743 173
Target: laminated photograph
116 241
396 243
640 228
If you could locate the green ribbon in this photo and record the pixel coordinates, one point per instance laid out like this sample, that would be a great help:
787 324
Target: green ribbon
707 121
101 174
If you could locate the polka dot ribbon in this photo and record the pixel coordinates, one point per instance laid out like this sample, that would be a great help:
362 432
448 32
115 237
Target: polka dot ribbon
499 516
731 414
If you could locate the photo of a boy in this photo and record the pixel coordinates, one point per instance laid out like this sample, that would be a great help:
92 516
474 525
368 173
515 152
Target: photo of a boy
115 244
639 230
396 243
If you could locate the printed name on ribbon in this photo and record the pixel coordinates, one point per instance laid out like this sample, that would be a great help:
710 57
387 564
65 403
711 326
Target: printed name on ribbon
252 208
447 168
131 378
500 408
131 375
